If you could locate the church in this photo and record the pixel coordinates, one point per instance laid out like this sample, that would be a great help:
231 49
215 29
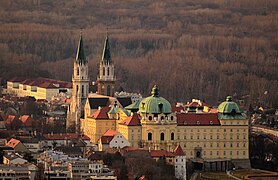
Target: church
212 139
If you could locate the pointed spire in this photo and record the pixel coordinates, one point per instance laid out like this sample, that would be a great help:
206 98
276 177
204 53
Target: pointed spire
80 55
178 151
106 56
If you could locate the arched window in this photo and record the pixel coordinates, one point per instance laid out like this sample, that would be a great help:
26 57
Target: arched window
150 136
108 71
172 136
77 89
103 71
162 136
77 72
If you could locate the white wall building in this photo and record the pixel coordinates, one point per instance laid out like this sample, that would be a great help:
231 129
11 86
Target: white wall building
180 163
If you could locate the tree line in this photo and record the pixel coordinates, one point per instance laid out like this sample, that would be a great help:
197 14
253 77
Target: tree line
205 49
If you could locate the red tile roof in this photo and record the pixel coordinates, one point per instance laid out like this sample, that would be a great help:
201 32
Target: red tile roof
161 153
133 120
27 120
177 109
13 121
108 136
12 143
42 82
64 136
101 114
197 119
110 132
106 139
178 151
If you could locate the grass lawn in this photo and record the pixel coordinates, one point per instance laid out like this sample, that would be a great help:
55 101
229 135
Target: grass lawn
213 175
244 172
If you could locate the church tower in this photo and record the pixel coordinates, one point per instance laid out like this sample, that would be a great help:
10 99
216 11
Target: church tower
107 78
80 89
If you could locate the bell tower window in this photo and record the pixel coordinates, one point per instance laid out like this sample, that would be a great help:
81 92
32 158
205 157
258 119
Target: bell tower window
172 136
108 71
108 90
82 90
103 71
77 71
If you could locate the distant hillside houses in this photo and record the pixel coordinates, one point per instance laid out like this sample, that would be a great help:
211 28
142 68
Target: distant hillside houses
39 88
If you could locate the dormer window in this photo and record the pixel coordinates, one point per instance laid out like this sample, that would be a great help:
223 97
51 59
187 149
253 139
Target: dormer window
198 122
150 118
211 123
143 105
162 118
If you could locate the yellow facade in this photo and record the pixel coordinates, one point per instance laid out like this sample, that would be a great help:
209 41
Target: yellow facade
222 135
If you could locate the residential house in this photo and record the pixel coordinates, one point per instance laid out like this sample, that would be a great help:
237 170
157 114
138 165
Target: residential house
112 139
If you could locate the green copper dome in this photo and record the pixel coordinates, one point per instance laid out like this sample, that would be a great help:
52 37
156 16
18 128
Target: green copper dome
230 110
229 106
155 104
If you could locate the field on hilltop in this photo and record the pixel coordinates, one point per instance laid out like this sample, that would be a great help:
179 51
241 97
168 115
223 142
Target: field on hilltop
205 49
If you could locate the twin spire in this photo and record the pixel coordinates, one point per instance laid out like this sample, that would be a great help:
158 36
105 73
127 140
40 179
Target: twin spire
106 55
80 54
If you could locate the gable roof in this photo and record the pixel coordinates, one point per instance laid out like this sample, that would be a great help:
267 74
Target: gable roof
12 143
95 103
27 120
110 132
161 153
198 119
178 151
101 114
108 136
133 120
124 101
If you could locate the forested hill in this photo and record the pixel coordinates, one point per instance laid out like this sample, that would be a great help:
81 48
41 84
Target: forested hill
205 49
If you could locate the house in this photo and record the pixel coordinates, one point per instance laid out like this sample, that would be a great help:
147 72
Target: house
112 139
65 139
27 122
2 120
23 171
17 146
12 158
12 122
70 151
34 144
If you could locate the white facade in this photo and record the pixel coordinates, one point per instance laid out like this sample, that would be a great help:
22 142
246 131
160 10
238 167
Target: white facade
180 167
119 141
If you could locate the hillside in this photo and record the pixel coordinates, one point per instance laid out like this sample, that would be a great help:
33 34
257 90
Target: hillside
205 49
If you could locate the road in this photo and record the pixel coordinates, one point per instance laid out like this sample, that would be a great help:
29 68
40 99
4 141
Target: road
265 130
